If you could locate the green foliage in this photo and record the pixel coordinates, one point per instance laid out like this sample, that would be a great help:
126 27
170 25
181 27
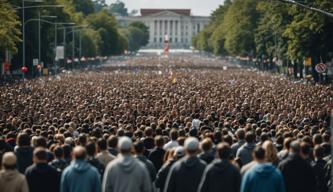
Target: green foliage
9 27
144 29
118 8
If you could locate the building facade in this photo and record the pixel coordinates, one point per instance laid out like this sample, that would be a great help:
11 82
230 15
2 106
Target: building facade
178 24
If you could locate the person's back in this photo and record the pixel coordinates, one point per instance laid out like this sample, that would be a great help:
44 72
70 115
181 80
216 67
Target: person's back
244 153
42 177
10 179
221 174
263 177
125 173
298 174
80 176
185 175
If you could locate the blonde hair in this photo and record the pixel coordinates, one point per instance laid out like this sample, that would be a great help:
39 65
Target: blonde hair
270 152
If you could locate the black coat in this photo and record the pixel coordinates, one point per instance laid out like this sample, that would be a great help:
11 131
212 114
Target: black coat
156 156
319 169
220 174
185 175
43 177
163 174
207 156
24 158
298 175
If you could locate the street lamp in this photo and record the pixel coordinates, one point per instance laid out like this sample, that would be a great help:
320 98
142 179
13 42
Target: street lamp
23 21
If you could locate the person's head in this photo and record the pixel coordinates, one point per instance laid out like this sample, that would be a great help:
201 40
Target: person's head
101 143
224 151
113 141
159 141
295 147
79 153
173 134
59 152
82 140
191 146
179 152
9 161
305 150
250 137
206 144
240 134
317 139
139 147
270 151
259 154
40 155
124 145
91 149
41 142
23 140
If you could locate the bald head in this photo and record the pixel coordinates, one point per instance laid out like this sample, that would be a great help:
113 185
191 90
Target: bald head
79 153
9 160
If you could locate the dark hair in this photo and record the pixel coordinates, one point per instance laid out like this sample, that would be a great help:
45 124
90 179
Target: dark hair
139 147
174 134
82 139
305 148
159 141
59 152
91 148
101 144
250 137
206 144
113 141
40 153
259 153
224 151
240 133
317 139
148 132
41 142
23 139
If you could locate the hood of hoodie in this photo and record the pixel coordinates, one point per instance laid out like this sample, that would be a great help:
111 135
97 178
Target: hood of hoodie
191 161
9 175
127 163
80 166
264 169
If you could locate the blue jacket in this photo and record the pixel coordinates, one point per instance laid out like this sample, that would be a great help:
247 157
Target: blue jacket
80 176
263 177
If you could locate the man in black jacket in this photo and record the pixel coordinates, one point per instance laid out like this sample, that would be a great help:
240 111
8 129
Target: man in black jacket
157 154
221 174
298 174
185 174
42 177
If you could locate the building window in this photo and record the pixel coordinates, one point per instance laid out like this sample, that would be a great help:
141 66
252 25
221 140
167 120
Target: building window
155 40
176 40
198 27
161 39
170 40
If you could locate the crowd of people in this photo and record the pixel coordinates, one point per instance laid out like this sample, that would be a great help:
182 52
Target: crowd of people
170 128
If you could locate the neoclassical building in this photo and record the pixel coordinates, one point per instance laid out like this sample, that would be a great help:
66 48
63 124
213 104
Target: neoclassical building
179 24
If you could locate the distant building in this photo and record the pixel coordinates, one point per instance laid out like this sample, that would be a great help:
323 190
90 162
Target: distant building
178 24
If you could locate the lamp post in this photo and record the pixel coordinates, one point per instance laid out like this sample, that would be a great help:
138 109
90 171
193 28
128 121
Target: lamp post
23 21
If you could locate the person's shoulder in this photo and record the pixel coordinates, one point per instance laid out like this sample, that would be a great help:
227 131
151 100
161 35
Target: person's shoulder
30 169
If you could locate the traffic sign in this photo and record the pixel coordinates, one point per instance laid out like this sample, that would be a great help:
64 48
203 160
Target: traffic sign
321 67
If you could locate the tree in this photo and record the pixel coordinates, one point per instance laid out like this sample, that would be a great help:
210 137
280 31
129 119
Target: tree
99 5
9 27
84 6
118 8
144 29
105 25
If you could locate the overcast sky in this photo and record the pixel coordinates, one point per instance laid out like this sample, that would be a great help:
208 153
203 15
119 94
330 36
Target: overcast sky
199 7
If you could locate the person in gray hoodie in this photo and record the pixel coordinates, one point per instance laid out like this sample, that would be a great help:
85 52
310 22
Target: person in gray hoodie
244 153
126 173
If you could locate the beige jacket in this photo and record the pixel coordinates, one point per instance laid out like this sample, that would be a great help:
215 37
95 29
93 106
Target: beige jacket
13 181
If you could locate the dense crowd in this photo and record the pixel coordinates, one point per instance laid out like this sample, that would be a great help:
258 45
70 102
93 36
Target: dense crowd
170 128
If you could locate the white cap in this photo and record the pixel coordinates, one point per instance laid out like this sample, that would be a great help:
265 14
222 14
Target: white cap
124 143
191 144
179 151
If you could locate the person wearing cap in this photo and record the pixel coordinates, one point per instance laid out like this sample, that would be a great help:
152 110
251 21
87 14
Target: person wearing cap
10 179
80 176
221 173
162 174
297 173
126 173
41 176
185 174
